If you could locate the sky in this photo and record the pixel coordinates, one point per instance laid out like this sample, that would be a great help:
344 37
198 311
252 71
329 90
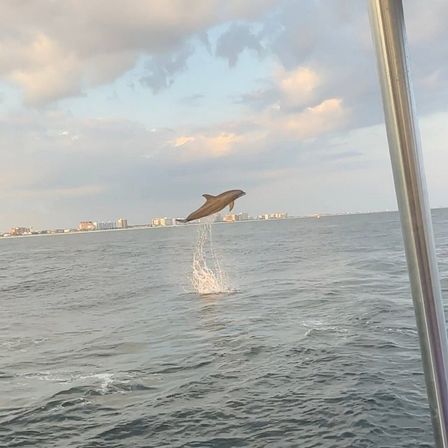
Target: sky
136 108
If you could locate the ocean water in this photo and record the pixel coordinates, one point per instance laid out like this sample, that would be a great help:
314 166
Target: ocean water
105 343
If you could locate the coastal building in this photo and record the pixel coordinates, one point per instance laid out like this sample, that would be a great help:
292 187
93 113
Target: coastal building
86 226
122 223
17 231
231 217
109 225
280 215
242 216
163 222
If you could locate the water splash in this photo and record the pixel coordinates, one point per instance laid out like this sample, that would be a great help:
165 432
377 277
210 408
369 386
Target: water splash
207 276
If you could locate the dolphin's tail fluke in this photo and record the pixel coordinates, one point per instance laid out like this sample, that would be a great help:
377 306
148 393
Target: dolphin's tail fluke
181 220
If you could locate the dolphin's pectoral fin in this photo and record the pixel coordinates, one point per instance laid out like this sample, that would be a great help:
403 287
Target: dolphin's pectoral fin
231 206
208 196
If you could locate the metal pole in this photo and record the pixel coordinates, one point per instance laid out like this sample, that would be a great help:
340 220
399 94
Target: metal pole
388 29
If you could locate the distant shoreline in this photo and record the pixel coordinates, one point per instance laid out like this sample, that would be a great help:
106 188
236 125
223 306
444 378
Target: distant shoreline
149 227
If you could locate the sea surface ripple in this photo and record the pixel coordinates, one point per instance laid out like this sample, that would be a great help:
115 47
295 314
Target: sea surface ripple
103 343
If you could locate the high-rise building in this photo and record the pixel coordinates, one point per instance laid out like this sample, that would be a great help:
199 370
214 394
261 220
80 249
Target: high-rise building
86 225
109 225
163 222
16 231
229 218
122 223
278 215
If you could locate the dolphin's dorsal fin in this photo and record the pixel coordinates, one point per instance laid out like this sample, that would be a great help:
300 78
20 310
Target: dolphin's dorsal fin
208 196
231 206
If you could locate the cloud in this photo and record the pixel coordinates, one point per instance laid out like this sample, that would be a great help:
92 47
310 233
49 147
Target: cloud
217 144
315 121
273 137
334 40
298 131
294 105
183 140
427 32
52 50
161 69
236 39
288 90
298 86
75 167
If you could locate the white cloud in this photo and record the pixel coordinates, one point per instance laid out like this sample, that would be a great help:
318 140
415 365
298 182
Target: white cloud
329 115
56 49
217 144
298 86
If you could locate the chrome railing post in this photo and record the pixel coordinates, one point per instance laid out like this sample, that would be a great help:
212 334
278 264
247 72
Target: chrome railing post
388 29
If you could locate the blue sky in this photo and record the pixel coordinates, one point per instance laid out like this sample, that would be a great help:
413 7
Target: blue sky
137 108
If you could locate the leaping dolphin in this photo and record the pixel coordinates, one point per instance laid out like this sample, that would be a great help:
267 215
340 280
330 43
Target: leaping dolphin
214 204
